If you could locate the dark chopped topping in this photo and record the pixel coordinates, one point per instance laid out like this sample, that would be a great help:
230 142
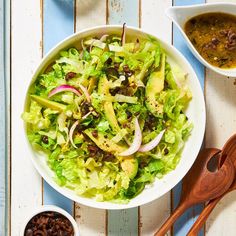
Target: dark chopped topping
80 128
93 150
95 133
126 68
143 164
125 125
109 61
85 108
125 82
223 32
112 72
127 71
108 157
45 139
116 65
150 122
129 114
49 224
70 75
114 91
166 151
215 41
231 40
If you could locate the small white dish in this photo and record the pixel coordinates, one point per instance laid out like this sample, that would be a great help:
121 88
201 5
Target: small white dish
180 15
52 208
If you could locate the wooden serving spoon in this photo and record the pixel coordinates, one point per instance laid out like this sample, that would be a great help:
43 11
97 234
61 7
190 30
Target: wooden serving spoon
230 152
201 185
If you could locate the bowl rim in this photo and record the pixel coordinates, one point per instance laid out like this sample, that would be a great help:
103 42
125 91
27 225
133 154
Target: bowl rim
37 210
94 203
231 72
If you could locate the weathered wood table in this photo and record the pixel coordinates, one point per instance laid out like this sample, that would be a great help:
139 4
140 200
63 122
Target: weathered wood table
28 30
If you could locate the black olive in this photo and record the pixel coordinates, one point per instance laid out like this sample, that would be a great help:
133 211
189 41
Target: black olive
109 61
45 139
166 151
125 81
116 65
70 75
129 114
95 133
111 72
85 108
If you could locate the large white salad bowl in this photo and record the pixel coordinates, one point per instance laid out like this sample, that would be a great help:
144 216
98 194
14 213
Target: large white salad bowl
195 113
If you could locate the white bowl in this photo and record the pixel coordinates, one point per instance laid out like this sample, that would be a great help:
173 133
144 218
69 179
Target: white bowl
44 208
195 112
180 15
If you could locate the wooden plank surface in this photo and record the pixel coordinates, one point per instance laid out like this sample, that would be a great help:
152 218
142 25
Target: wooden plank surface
7 73
91 221
2 123
220 93
26 52
59 21
153 13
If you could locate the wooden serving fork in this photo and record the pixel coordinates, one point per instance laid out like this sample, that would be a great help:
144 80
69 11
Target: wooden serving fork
230 152
201 185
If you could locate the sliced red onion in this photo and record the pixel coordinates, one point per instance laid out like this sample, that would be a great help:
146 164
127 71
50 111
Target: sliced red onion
123 35
103 38
72 129
136 142
82 45
152 144
86 93
63 88
91 45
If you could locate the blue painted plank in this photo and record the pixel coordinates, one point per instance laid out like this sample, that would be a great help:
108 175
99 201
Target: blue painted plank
123 222
2 124
183 225
58 23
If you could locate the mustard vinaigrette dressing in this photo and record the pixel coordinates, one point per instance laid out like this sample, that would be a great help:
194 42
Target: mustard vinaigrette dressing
214 37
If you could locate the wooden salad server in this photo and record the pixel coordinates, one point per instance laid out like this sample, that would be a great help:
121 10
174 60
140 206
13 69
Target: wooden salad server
230 152
201 185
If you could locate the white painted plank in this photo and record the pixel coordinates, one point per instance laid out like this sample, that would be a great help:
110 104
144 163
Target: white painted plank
7 71
221 124
2 124
154 20
91 221
152 13
90 13
26 184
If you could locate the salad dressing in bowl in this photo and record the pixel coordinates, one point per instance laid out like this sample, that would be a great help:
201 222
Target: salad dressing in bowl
195 112
209 50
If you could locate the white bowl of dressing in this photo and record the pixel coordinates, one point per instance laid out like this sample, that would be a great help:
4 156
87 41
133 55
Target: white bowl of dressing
180 15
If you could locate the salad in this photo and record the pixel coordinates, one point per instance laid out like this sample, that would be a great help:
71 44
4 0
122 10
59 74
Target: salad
109 116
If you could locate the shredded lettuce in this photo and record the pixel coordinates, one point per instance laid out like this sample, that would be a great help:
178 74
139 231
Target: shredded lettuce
115 77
